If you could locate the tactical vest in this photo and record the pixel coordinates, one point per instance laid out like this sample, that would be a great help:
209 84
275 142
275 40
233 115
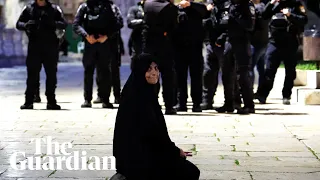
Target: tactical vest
224 16
99 18
279 24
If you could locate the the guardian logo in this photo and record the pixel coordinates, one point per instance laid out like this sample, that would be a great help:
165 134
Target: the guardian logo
60 159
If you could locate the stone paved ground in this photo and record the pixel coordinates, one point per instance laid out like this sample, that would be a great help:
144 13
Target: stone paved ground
278 142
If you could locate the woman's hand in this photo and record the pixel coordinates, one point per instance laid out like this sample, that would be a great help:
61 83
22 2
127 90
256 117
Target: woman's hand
184 154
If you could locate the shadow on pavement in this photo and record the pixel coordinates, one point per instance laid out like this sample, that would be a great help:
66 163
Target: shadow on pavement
114 108
267 109
282 113
45 110
195 114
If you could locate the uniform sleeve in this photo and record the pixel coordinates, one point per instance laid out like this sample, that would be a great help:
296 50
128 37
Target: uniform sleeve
119 17
200 8
211 21
78 22
23 19
268 11
61 23
247 18
298 16
132 20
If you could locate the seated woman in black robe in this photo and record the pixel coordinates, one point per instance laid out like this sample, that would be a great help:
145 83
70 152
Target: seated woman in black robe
141 144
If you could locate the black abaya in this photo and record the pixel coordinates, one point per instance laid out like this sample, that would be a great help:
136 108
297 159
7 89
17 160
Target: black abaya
141 144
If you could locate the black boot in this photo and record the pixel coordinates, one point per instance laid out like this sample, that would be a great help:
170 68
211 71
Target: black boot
86 104
286 101
97 101
107 105
27 106
171 111
117 100
245 110
196 108
206 106
37 98
225 108
53 106
181 108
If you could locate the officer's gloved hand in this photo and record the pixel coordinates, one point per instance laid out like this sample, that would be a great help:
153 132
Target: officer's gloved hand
30 24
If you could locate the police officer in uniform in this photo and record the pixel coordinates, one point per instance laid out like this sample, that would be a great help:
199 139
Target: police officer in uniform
160 22
216 34
238 52
188 46
97 23
288 18
135 21
259 41
41 20
115 61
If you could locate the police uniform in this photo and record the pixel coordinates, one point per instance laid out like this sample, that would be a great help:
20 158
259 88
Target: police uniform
115 61
41 24
188 45
96 17
135 21
238 53
259 43
283 45
216 32
160 22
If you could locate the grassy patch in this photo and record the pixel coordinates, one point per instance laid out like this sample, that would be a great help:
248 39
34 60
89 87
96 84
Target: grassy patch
237 162
218 139
247 143
304 65
215 134
234 148
52 173
221 157
248 154
253 135
194 149
277 158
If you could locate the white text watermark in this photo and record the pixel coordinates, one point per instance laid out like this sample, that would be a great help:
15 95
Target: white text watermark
58 158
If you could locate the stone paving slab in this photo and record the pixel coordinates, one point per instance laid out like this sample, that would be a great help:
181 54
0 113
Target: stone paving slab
279 142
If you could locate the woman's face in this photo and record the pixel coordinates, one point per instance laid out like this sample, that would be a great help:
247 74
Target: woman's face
152 75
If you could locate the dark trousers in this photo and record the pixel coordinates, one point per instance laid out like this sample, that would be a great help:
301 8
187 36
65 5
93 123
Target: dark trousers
237 54
259 62
164 52
189 58
274 56
37 92
48 57
115 75
212 64
98 56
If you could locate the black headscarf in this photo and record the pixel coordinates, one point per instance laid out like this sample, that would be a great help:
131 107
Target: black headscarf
141 144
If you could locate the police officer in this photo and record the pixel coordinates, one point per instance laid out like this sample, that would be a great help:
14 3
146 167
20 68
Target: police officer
288 18
188 46
97 23
216 34
160 22
115 60
237 52
259 41
41 20
135 21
